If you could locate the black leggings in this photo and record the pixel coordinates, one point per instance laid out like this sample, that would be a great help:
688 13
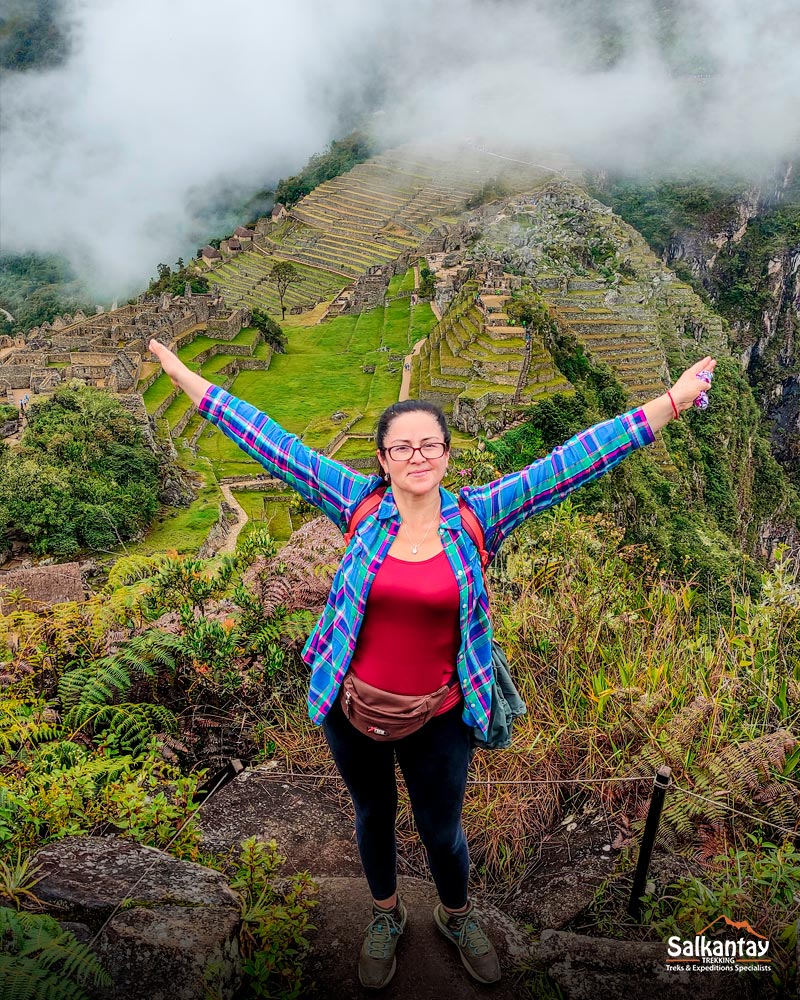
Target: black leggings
434 762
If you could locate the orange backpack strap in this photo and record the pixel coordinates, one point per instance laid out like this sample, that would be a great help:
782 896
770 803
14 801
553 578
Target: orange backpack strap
372 501
368 505
473 528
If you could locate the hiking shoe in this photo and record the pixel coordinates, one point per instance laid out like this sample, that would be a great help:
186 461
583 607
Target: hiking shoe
376 963
476 950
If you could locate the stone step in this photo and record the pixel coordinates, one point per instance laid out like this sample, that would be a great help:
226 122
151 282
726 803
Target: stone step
613 327
511 346
571 312
586 284
494 303
503 332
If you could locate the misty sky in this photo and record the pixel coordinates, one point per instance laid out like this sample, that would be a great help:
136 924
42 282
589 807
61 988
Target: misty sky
164 109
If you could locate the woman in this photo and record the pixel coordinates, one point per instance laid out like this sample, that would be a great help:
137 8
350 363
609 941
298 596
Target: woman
408 614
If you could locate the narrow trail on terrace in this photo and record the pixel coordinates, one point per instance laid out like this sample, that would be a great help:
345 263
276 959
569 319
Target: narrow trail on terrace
405 385
229 545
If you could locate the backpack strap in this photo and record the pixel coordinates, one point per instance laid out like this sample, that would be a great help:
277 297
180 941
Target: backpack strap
473 528
368 505
469 521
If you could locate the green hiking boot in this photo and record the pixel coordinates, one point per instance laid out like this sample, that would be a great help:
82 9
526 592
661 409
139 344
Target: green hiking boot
476 950
376 963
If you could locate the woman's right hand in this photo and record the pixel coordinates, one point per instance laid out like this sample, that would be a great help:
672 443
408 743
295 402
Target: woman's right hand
195 386
171 363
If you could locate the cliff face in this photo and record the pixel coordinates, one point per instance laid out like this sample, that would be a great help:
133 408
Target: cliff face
743 247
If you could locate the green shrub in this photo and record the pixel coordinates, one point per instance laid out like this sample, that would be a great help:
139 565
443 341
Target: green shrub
82 478
276 920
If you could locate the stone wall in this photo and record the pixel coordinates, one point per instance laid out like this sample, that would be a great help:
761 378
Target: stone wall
43 585
334 444
163 406
226 327
254 364
219 531
17 376
145 384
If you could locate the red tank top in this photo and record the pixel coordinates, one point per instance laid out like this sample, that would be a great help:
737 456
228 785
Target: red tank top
410 634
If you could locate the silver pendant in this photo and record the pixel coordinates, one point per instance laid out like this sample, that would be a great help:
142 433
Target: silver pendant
413 550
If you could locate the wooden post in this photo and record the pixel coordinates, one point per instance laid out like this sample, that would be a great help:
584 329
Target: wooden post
660 785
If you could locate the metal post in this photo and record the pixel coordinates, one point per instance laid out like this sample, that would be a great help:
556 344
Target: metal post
212 785
660 786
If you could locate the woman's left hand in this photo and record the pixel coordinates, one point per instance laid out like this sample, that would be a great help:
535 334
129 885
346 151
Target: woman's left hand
689 386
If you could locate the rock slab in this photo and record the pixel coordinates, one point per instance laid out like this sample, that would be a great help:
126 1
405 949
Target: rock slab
176 937
313 829
587 968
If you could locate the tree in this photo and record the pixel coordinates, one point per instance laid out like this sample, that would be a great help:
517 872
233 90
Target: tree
427 283
273 335
175 282
83 476
283 274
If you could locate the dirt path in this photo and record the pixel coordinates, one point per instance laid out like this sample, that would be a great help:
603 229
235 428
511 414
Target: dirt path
405 385
229 545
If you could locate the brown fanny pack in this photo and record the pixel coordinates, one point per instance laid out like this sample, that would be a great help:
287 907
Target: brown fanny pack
387 716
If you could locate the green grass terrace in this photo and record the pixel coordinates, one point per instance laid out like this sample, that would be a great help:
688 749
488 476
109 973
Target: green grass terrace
244 279
321 374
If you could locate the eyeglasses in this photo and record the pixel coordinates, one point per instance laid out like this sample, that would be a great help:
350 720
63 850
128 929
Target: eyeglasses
403 452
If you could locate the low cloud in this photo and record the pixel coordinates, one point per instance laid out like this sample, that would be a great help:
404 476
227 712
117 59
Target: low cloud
162 111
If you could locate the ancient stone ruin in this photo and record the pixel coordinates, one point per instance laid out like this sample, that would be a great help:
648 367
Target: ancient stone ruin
107 350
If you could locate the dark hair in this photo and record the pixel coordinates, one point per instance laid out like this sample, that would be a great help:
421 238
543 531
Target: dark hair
409 406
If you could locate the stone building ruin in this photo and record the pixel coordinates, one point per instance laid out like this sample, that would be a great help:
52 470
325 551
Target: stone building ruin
107 350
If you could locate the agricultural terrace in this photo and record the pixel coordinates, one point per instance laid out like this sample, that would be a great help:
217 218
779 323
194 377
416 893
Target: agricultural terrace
244 280
322 373
270 509
387 204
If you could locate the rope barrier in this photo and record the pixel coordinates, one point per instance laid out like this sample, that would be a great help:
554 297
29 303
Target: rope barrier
547 781
470 781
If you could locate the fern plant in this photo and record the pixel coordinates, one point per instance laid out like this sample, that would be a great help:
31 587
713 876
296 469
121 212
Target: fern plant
39 960
747 776
126 728
90 691
23 724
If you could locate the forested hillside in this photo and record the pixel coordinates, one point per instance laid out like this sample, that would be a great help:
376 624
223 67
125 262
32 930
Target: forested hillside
738 243
33 35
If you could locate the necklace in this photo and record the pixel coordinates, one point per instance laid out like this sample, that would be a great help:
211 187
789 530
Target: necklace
415 547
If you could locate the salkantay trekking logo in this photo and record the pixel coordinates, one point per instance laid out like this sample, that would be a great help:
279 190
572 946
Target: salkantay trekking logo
702 953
